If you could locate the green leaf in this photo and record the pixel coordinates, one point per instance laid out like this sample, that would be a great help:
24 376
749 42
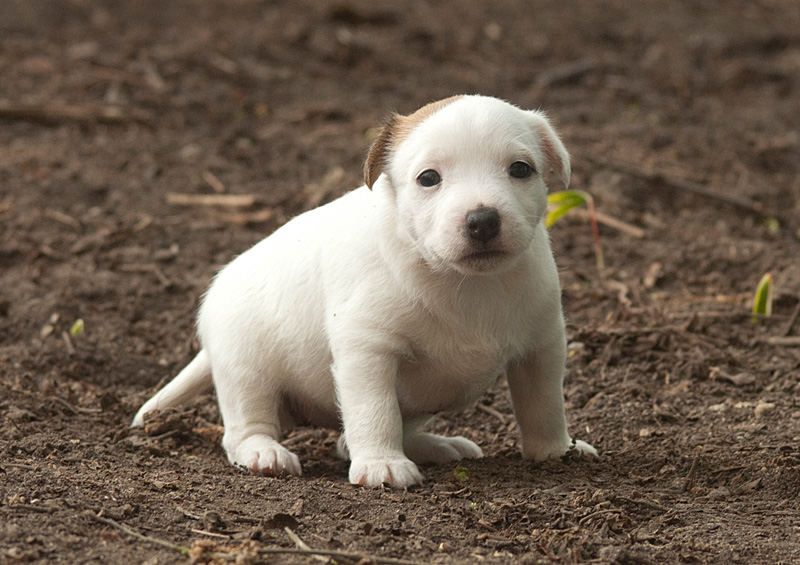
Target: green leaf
773 225
77 327
461 473
562 201
762 300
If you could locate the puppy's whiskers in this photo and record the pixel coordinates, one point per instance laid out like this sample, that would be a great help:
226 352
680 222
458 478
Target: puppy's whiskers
460 283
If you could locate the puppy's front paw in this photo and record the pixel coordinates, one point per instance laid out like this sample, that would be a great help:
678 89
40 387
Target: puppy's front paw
341 449
539 451
583 448
397 472
262 455
431 448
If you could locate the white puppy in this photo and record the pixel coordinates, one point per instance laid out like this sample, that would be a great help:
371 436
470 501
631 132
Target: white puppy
407 296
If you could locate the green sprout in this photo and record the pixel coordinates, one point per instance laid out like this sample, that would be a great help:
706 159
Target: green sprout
562 201
462 474
559 203
762 300
773 225
77 327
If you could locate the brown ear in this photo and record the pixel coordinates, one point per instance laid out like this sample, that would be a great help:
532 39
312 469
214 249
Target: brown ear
554 151
378 154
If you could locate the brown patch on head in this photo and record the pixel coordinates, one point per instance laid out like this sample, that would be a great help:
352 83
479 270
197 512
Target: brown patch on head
406 124
393 132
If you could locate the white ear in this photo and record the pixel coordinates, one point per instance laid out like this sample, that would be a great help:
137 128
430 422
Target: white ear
555 154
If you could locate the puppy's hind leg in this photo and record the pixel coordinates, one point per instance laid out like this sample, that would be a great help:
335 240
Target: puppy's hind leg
425 447
250 407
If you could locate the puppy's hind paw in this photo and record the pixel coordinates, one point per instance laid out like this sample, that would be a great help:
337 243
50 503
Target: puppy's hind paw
397 472
262 455
431 448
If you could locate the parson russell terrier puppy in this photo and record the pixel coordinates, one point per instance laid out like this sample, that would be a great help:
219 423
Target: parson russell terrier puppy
407 296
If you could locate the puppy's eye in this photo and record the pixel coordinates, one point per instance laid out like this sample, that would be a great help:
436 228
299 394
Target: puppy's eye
429 178
520 170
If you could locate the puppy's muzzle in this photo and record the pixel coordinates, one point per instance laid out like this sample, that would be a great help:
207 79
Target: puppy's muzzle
483 224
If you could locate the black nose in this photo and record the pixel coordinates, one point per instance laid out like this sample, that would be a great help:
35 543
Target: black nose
483 224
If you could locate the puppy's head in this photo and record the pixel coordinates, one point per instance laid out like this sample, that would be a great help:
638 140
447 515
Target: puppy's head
467 173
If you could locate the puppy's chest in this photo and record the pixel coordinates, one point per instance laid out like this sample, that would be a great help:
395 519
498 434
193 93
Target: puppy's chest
461 356
450 367
473 342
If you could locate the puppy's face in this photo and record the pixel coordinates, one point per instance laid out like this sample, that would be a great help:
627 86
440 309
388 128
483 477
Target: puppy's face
468 177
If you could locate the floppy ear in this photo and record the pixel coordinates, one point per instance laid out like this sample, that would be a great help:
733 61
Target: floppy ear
378 155
555 154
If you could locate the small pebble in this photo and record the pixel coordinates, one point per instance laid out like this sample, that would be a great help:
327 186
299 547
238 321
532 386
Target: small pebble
762 408
719 493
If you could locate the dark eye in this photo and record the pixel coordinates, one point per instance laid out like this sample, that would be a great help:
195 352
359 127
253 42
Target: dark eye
429 178
520 170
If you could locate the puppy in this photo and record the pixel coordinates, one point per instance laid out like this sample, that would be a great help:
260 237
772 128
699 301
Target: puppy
410 295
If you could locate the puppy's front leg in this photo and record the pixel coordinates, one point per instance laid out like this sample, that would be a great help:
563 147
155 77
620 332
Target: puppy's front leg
537 395
373 425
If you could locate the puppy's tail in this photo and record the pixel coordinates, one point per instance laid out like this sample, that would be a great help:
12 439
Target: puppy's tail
191 381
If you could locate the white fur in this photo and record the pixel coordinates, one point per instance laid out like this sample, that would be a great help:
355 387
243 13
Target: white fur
372 312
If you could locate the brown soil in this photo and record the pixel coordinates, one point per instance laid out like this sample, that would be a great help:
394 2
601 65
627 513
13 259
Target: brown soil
694 410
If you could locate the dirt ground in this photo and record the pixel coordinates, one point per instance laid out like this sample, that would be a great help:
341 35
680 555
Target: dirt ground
108 108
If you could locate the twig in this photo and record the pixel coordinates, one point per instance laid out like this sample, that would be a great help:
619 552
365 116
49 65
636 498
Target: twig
491 411
247 218
687 484
165 435
358 557
137 535
226 200
188 514
303 545
56 113
612 222
68 342
210 534
147 268
588 517
298 438
681 184
564 74
598 248
713 314
643 502
31 508
786 341
77 409
214 182
107 236
264 551
245 520
733 469
62 218
19 465
787 329
453 492
638 331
